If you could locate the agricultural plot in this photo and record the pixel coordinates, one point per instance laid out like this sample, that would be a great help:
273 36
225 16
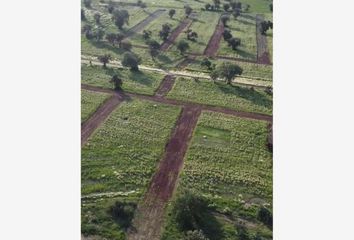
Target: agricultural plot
250 70
156 25
137 82
229 164
90 101
243 28
222 95
204 26
119 161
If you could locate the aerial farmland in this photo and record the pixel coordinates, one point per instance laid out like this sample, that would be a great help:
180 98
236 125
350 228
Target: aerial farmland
176 121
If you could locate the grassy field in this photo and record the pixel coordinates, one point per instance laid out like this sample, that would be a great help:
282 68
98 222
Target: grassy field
204 27
250 70
229 164
269 17
90 101
245 29
121 157
222 94
137 82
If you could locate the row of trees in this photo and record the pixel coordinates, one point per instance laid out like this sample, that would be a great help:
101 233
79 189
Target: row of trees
225 70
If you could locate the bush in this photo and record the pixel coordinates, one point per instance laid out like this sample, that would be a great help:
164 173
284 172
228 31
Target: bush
131 60
265 216
122 213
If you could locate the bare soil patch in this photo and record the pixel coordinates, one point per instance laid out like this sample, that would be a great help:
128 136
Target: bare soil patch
149 218
214 41
166 86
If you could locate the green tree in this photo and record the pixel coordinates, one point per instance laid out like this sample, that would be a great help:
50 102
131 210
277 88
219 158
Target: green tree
236 13
87 3
146 34
165 31
224 19
154 47
117 82
228 71
227 34
191 35
182 46
265 216
98 34
104 59
97 18
122 213
126 45
83 17
171 13
226 7
131 60
206 63
120 17
188 10
234 43
111 38
214 75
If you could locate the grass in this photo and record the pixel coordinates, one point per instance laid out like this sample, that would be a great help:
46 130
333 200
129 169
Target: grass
235 174
204 27
250 70
221 94
245 29
137 82
122 156
90 101
269 17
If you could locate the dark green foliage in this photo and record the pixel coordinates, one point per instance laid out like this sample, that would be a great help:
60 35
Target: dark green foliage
87 3
111 38
265 26
146 34
191 212
117 82
226 7
154 47
171 13
110 7
191 35
206 63
228 71
97 18
122 213
224 19
126 45
217 4
227 34
242 233
208 6
98 34
265 216
104 59
234 43
188 10
131 60
182 46
83 17
271 7
120 17
165 31
236 13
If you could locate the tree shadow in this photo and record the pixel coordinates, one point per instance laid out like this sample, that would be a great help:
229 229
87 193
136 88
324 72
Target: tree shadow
251 95
136 76
245 54
106 46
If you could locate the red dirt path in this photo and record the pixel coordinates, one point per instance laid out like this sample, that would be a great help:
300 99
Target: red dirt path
101 114
166 86
171 39
214 41
149 217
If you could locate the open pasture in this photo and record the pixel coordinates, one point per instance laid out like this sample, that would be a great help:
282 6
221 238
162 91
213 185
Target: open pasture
222 95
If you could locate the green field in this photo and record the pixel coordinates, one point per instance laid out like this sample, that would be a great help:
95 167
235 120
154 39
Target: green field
221 94
245 29
250 70
121 157
136 82
90 101
204 26
229 164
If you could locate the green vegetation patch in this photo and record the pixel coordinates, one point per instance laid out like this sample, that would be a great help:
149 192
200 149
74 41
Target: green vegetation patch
222 94
90 101
142 82
244 29
234 178
122 154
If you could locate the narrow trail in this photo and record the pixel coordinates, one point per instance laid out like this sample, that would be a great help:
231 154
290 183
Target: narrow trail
141 25
149 217
101 114
262 48
214 42
248 115
171 39
165 86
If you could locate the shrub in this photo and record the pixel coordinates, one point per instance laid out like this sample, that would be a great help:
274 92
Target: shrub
122 213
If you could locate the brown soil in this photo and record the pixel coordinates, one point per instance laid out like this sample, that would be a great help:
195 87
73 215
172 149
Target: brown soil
149 218
249 115
171 39
165 86
262 49
101 114
141 25
214 41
